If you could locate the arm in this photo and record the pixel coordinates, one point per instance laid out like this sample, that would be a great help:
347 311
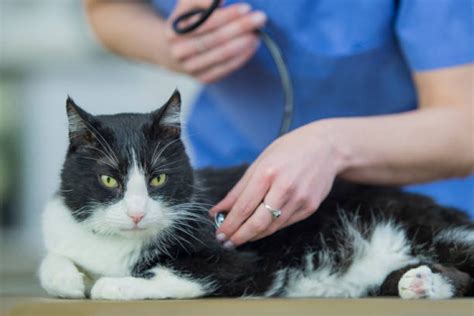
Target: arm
224 43
129 28
432 142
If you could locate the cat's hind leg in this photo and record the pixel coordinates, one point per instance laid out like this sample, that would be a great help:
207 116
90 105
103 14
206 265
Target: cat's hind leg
435 282
427 281
454 247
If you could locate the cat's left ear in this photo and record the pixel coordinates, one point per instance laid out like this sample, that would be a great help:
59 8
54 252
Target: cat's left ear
168 117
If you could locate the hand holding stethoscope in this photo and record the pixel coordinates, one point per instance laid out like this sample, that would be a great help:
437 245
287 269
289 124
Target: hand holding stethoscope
210 47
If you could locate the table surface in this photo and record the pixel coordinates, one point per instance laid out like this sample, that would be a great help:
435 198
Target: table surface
229 307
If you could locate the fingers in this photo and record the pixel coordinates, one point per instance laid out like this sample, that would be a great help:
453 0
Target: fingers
225 52
307 207
232 196
262 218
288 210
295 201
223 69
198 44
245 205
224 43
257 223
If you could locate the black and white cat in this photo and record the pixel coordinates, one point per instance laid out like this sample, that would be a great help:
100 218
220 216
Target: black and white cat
130 222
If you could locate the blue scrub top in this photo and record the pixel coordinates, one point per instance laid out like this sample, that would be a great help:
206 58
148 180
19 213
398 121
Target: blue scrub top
346 58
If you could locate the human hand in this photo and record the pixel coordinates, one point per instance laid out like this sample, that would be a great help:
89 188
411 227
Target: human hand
294 174
222 44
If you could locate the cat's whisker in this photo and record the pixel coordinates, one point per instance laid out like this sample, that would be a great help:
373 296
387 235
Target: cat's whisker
155 150
171 163
97 160
154 161
190 235
154 158
112 162
103 142
193 219
171 158
189 215
178 240
196 204
88 206
163 244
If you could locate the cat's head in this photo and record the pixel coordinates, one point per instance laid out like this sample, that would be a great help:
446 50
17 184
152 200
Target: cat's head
126 174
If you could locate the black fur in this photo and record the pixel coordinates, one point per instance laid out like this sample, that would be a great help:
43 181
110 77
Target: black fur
96 141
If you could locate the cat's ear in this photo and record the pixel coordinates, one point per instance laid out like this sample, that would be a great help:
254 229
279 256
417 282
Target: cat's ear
79 124
168 117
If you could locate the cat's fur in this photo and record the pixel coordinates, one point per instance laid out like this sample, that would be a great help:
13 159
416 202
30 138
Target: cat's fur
362 241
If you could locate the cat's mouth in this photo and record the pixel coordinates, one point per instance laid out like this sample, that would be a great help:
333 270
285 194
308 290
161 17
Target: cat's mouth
133 229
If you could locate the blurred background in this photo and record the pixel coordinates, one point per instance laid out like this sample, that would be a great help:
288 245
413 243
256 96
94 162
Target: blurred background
47 52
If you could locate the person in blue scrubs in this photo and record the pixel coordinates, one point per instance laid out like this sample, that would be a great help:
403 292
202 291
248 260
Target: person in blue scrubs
383 94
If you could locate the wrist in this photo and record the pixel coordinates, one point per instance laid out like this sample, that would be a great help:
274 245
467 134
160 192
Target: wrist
159 52
340 149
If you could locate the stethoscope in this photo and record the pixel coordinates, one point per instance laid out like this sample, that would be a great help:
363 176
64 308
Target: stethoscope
203 15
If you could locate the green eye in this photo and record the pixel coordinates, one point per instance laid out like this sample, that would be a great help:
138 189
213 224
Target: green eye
108 181
158 181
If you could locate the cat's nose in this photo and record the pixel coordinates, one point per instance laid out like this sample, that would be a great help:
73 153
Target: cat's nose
136 208
136 218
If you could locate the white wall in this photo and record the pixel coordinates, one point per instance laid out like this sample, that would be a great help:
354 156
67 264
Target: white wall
47 52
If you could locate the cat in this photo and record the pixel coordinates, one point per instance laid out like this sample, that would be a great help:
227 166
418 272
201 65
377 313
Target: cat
130 222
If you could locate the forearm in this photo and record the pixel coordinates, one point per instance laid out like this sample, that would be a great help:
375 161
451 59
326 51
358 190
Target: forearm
417 146
128 28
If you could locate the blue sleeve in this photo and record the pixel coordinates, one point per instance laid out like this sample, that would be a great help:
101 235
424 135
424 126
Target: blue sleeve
436 33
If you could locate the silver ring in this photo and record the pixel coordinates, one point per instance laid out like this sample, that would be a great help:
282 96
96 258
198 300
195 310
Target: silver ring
275 212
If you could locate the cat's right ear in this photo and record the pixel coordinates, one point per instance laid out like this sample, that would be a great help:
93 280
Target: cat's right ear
79 124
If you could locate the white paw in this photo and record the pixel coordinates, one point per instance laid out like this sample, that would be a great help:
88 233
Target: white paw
60 277
65 284
116 289
421 282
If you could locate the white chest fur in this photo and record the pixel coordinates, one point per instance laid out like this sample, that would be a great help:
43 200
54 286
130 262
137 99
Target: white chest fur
96 254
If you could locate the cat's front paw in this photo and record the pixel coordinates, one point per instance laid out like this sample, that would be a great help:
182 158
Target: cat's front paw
59 277
116 289
421 282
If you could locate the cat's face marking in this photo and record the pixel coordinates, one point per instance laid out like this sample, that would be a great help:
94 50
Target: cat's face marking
136 198
113 179
135 213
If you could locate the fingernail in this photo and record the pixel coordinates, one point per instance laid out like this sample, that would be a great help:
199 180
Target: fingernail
229 245
244 8
259 17
221 237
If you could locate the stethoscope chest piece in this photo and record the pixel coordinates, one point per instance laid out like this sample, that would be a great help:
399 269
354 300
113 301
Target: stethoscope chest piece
219 219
